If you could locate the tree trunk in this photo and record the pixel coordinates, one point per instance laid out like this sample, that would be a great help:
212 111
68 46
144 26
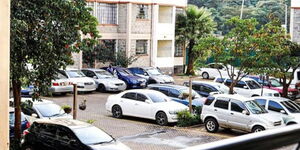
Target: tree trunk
284 88
16 85
191 59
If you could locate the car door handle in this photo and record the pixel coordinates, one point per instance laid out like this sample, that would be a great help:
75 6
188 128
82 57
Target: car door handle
232 113
215 110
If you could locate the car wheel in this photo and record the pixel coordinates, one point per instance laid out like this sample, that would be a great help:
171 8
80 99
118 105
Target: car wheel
117 111
101 88
161 118
258 129
211 125
27 147
205 75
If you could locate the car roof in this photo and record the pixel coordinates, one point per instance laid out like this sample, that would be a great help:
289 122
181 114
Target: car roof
178 87
93 69
205 82
145 91
243 79
67 122
235 96
278 99
37 102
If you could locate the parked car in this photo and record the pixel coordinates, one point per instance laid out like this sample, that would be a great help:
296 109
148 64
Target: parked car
153 75
68 134
210 71
274 84
24 122
205 89
105 81
178 93
248 87
39 109
84 84
237 112
144 103
132 81
289 110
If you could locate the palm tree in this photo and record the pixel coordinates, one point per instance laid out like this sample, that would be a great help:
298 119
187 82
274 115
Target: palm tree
191 26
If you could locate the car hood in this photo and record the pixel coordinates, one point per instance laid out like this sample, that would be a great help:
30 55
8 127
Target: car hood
133 78
171 106
110 146
271 117
164 78
81 80
109 80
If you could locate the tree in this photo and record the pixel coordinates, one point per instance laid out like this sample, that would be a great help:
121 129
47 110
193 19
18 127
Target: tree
43 36
191 26
235 49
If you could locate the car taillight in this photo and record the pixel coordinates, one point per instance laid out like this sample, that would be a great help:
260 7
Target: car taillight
27 125
55 84
25 132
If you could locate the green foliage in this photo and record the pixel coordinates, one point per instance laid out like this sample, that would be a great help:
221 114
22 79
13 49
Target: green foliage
91 121
191 26
185 118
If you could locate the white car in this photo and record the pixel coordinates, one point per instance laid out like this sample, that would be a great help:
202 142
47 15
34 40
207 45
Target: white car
105 81
211 71
61 85
237 112
289 110
144 103
248 87
84 84
40 109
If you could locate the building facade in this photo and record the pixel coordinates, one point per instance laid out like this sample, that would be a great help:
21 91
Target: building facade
143 28
295 21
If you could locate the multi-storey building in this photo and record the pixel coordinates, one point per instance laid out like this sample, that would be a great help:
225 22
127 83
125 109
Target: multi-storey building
295 21
144 28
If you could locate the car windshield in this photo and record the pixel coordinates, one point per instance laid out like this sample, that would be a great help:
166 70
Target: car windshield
253 84
104 74
92 135
60 76
153 72
254 107
275 83
75 74
125 72
291 106
158 97
50 110
12 118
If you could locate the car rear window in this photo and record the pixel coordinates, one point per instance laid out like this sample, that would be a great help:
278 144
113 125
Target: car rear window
209 100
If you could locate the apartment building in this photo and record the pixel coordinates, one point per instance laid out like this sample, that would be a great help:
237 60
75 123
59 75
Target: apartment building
295 21
144 28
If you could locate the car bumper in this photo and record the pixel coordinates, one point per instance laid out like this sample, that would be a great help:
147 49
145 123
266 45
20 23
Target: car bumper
172 118
63 89
137 86
86 88
115 87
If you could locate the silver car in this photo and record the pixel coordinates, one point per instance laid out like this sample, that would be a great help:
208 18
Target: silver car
237 112
61 85
105 81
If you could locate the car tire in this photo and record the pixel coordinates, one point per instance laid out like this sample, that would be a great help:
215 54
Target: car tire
161 118
258 129
211 125
101 88
27 147
117 111
205 75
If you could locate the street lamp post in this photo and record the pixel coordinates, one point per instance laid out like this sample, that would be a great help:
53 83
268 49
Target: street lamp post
242 9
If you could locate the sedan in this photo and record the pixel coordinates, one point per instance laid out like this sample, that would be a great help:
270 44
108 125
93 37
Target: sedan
153 75
147 104
211 71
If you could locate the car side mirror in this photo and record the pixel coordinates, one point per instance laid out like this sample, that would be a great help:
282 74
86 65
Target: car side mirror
95 77
147 101
34 115
245 112
282 111
245 87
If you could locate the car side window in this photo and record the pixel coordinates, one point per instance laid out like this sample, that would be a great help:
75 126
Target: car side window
164 90
130 96
141 97
240 84
174 93
209 100
48 130
196 87
64 134
221 103
237 106
206 89
274 106
261 102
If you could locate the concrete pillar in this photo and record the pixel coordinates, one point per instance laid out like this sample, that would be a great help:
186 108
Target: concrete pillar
4 75
154 42
128 28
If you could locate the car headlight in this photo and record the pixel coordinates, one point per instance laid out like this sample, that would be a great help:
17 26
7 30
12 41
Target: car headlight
80 84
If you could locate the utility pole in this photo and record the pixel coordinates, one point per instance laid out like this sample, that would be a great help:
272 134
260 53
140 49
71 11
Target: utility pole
74 101
4 75
242 9
190 94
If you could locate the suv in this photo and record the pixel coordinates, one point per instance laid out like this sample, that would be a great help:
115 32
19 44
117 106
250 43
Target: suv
68 134
248 87
289 110
237 112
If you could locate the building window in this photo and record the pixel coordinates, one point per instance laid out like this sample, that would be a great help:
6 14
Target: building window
106 13
141 47
179 50
142 12
91 5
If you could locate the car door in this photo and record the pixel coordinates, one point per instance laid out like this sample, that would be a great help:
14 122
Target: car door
127 103
221 110
242 89
47 136
237 119
141 108
66 140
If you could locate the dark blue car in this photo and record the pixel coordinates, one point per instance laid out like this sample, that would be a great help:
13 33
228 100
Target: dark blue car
24 123
132 81
176 93
203 89
27 92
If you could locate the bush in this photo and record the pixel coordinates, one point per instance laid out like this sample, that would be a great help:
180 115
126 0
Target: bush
185 118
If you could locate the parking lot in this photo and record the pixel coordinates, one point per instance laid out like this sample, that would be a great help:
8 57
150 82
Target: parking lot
141 133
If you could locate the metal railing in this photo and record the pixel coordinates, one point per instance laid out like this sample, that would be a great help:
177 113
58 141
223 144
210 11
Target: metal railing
265 140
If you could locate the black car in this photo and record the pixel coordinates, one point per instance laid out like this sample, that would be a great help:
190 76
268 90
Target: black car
68 134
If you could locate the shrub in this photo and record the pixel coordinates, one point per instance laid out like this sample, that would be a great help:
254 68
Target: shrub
185 118
66 108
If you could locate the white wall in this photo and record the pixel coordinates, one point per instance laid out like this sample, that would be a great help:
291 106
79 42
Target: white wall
164 48
165 14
